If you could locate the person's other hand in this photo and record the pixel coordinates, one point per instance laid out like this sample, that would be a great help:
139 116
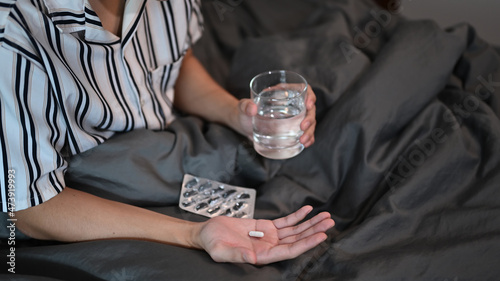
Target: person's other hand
226 239
247 109
308 125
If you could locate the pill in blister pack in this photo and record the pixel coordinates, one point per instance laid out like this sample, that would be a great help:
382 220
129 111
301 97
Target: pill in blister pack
211 198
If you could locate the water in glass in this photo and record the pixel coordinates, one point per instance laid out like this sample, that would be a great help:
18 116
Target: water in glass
277 124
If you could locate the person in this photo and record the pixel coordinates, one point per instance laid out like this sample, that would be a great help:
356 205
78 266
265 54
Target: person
77 73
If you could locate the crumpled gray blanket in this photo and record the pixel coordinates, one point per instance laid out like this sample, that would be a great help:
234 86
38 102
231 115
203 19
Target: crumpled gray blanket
407 152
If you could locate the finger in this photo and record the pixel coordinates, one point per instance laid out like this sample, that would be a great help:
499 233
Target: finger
248 107
309 119
296 229
307 123
309 142
309 132
290 251
310 98
293 218
320 227
307 139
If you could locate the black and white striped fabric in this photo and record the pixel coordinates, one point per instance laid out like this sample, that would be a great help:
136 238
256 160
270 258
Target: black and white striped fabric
67 84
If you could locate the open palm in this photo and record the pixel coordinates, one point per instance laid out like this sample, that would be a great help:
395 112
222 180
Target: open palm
226 239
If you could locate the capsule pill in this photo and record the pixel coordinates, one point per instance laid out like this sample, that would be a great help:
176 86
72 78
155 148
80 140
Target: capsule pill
256 234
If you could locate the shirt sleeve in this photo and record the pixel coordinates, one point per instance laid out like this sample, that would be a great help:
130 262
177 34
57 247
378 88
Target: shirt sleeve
32 134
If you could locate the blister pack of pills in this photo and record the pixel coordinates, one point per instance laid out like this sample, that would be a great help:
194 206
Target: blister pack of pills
211 198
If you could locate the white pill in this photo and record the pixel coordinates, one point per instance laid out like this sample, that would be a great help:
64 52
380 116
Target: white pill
256 234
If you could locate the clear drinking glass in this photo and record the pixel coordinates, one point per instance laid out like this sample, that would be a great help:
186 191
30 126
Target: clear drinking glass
280 99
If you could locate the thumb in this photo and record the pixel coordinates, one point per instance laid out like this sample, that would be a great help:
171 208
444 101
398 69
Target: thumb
247 107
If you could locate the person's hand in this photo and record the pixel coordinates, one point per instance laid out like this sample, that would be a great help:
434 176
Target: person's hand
226 239
247 109
308 125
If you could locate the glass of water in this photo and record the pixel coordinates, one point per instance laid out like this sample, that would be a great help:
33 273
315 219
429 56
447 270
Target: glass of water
280 99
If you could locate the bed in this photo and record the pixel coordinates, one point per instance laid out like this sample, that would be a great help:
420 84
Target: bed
407 152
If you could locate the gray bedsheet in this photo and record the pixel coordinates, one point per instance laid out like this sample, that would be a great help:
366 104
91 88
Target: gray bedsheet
407 153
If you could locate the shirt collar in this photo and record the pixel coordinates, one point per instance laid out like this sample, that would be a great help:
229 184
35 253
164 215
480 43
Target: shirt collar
77 17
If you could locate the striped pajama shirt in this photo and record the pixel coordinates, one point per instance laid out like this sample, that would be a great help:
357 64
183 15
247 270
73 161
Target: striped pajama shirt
67 85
